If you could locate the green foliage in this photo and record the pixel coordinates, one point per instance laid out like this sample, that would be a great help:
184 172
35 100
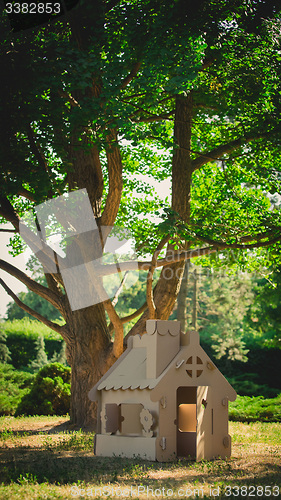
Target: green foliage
14 384
237 94
222 302
41 356
36 303
22 336
4 350
49 394
265 312
250 384
255 409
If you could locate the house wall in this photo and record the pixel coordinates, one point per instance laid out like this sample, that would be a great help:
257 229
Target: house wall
129 396
129 445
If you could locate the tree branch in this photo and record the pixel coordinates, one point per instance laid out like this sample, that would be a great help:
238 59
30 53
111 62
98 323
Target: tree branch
35 149
131 75
245 239
7 230
149 292
69 98
130 317
118 327
135 314
173 257
7 211
120 288
153 118
114 167
217 153
109 269
32 285
26 194
57 328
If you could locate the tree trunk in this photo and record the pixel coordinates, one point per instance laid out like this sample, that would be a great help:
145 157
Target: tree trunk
182 298
194 308
166 291
90 356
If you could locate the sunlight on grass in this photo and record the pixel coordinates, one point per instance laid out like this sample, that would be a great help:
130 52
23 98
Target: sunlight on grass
256 432
42 460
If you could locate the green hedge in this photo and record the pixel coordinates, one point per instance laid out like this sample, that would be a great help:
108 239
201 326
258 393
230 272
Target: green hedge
255 409
21 340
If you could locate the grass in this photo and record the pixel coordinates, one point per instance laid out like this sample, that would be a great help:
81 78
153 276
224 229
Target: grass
43 458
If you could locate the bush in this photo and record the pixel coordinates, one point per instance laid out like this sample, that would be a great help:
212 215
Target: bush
255 409
247 384
14 385
4 351
22 338
49 394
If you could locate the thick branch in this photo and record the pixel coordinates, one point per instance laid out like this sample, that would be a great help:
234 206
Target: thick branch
120 288
26 194
32 285
131 75
206 63
217 153
172 257
114 166
57 328
270 236
7 211
7 230
135 314
130 317
118 327
149 292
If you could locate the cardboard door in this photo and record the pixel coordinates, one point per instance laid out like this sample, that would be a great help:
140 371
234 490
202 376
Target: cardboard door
204 423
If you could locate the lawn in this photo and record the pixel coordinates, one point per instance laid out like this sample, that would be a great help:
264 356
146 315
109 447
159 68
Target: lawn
43 458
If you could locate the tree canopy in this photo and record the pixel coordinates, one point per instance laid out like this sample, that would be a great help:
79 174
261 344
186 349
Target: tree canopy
115 89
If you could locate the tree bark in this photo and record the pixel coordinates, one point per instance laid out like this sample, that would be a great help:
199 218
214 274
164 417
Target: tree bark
166 291
90 349
89 354
182 302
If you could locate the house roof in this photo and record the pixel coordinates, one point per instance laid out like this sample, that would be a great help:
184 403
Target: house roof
130 374
184 368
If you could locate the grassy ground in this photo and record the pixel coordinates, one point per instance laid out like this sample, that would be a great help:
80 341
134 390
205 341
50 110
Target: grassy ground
42 458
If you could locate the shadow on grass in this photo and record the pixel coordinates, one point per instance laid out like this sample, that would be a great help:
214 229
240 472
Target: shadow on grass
64 467
45 429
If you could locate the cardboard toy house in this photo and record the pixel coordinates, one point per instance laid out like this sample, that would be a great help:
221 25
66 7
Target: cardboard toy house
163 399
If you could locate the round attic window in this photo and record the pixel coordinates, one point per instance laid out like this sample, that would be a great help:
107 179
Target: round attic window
194 366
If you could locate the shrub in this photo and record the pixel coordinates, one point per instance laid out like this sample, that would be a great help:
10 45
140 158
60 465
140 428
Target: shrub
246 384
22 339
49 394
4 351
14 384
255 409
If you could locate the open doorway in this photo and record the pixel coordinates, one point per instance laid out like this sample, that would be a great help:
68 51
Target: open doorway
186 421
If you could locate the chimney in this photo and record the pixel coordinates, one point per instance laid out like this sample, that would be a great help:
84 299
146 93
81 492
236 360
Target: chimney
162 344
